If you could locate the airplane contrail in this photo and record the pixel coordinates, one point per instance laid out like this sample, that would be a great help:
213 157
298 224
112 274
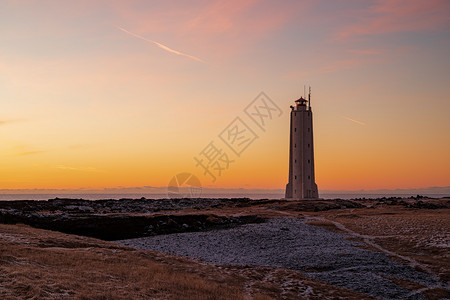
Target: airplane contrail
358 122
160 45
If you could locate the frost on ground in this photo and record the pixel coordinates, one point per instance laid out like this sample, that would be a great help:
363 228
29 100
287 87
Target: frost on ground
290 243
41 264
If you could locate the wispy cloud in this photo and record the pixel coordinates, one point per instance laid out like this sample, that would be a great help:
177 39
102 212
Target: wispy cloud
81 169
160 45
365 51
353 120
16 149
389 16
222 29
4 122
332 66
79 146
25 153
339 65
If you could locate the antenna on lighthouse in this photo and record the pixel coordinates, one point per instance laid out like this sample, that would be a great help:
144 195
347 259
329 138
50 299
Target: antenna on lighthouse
309 99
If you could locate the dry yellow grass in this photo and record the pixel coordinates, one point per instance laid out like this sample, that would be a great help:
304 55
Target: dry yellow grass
87 270
40 264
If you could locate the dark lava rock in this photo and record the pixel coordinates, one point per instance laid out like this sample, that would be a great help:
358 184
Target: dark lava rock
426 205
123 226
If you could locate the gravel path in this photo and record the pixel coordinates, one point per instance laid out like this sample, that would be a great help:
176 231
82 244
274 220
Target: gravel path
290 243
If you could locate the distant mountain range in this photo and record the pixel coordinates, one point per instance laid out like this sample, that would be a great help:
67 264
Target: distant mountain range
445 190
430 190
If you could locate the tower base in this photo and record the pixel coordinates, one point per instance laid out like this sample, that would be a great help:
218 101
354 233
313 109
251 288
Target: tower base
301 199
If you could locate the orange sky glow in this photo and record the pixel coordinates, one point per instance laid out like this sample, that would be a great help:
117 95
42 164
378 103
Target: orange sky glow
116 94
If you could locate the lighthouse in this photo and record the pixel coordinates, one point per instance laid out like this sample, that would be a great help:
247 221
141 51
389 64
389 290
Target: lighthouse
302 184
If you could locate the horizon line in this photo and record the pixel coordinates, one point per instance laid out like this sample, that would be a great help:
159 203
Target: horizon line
159 190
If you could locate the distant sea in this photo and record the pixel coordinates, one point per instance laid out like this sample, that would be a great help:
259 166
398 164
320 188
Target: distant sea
11 197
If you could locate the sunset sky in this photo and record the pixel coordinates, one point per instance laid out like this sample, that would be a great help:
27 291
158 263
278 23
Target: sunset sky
111 94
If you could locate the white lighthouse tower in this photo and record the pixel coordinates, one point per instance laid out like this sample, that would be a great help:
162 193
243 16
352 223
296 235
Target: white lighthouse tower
302 184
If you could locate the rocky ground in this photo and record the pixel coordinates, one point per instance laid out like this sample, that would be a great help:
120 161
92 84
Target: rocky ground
387 248
42 264
292 244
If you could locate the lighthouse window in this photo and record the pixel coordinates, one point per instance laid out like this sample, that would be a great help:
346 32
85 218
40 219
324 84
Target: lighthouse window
308 145
295 145
309 129
309 161
295 176
295 129
295 161
309 177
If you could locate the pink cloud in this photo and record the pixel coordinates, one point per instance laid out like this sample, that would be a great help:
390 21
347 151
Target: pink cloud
390 16
200 17
208 28
220 17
